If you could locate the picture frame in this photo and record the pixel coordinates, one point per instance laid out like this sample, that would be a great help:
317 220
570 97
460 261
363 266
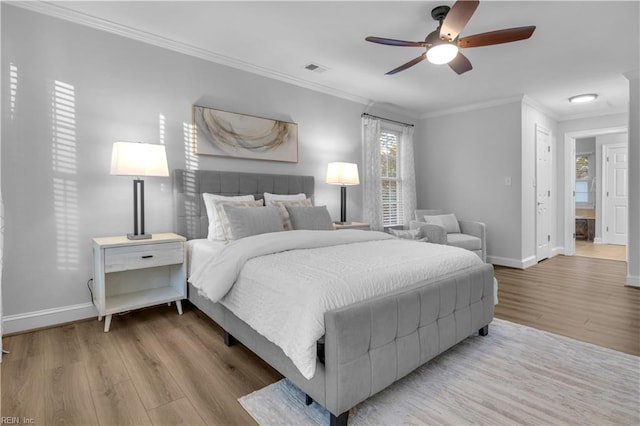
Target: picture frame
229 134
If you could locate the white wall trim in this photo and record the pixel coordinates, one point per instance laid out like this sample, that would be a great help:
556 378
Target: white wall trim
511 262
61 12
538 106
633 281
472 107
555 251
47 317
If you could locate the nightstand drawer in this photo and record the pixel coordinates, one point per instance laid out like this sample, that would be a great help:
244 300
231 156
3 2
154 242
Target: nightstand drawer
142 256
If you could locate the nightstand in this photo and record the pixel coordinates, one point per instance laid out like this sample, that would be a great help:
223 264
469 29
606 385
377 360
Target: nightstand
352 225
132 274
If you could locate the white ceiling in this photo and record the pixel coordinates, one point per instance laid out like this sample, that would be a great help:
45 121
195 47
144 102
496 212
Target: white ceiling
578 47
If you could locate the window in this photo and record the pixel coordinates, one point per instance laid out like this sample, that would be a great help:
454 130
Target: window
584 180
392 207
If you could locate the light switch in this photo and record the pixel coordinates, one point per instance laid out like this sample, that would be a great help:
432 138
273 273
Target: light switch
507 181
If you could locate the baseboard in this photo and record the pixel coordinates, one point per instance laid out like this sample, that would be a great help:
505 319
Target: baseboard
557 251
511 262
598 240
47 317
633 281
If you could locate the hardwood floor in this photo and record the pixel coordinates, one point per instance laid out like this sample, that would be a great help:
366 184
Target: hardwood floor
578 297
600 251
155 367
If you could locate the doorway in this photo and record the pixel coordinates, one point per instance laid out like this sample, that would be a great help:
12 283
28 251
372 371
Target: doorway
592 212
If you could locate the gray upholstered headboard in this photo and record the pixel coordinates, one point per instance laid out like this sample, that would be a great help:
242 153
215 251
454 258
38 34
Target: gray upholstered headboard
188 186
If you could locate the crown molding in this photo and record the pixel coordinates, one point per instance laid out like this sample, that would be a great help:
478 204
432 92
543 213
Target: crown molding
538 106
593 114
473 107
632 75
61 12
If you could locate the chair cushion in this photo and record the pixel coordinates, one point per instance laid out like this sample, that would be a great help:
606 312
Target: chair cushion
464 241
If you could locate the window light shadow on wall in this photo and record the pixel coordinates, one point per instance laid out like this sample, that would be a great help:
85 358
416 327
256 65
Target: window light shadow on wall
65 186
13 88
161 124
191 201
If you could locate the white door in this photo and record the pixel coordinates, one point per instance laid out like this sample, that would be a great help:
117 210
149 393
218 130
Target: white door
616 193
543 193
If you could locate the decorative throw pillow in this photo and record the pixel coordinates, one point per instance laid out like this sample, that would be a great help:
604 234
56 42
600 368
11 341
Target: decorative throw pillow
284 214
244 222
269 198
215 227
311 218
447 221
410 234
222 213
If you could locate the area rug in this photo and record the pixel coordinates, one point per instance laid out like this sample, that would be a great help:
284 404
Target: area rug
515 375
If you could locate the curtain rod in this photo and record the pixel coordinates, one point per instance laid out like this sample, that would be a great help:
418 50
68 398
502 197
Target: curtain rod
386 119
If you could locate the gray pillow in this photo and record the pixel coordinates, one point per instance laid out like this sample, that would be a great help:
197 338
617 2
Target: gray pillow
311 218
244 222
448 221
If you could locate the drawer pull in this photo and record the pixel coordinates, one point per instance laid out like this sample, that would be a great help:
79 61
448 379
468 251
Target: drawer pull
148 256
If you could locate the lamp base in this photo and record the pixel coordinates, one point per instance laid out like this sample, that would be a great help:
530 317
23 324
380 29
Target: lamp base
343 223
139 236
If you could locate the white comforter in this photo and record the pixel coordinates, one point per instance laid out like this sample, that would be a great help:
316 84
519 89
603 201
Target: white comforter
283 293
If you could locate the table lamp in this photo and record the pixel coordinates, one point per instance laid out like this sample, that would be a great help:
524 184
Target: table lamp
138 159
343 174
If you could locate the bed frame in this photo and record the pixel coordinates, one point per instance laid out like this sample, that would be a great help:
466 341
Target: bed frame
368 345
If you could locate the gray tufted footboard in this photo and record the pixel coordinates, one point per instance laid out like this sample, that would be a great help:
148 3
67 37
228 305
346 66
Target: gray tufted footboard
372 344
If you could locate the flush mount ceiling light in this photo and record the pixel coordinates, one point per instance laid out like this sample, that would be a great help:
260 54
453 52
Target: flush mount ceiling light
582 99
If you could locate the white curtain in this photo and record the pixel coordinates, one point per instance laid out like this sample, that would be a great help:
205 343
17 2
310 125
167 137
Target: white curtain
372 186
407 174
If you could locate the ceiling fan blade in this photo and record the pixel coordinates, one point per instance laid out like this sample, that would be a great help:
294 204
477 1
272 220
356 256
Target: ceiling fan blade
460 64
392 42
497 37
408 64
457 18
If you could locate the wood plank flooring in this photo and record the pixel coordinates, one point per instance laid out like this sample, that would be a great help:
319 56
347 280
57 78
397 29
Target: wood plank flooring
578 297
601 251
157 368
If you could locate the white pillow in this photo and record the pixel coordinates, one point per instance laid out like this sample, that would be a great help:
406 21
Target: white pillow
270 198
447 221
215 226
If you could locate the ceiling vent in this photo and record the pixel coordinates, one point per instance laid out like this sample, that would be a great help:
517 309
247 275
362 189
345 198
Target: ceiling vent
315 67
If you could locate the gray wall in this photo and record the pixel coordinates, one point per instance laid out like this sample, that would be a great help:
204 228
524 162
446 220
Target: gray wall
73 92
462 160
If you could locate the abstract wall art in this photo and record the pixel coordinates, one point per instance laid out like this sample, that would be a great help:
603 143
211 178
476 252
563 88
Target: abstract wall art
229 134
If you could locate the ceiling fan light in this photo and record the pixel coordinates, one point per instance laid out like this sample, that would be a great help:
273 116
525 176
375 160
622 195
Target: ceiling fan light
442 53
581 99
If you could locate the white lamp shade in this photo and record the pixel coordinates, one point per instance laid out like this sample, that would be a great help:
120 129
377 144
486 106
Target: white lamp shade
139 159
342 174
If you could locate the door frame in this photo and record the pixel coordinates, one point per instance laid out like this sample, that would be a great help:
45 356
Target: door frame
570 180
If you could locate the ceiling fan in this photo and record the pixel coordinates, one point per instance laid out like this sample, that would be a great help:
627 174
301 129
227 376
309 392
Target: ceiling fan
443 44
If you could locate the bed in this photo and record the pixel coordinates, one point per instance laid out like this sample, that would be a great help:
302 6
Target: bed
366 345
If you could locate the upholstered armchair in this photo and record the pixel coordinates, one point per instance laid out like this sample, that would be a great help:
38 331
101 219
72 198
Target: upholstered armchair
441 228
